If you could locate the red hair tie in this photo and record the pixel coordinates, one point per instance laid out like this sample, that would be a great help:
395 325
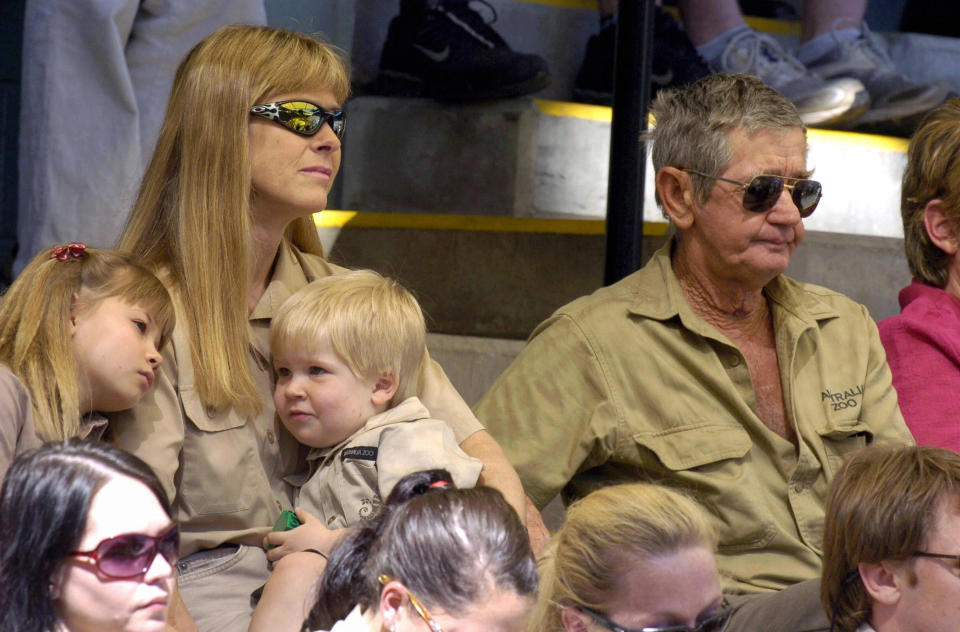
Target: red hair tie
439 484
73 250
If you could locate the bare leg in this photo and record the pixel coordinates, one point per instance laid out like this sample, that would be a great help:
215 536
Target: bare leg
819 15
289 593
705 20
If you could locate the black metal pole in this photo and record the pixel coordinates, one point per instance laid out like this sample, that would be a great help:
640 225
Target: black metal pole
631 94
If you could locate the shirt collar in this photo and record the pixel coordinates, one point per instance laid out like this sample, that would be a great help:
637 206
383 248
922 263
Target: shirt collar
287 277
410 409
657 294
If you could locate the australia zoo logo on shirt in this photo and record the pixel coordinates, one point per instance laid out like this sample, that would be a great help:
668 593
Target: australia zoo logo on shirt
843 399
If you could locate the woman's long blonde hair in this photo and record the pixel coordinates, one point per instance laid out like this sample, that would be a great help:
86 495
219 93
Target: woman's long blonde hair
35 340
192 220
603 534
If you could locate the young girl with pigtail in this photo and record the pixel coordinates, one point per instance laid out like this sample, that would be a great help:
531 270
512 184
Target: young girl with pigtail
80 334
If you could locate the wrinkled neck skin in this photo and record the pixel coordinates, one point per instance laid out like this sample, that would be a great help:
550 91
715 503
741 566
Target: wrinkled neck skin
730 307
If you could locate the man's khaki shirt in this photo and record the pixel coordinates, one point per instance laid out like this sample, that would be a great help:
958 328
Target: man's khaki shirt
350 480
224 471
629 384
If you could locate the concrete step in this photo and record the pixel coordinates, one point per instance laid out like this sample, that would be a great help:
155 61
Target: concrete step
538 158
499 277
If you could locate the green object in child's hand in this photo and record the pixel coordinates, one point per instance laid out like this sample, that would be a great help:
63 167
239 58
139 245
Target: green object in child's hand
287 520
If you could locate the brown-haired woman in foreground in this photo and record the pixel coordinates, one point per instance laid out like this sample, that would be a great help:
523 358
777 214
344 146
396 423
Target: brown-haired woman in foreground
248 152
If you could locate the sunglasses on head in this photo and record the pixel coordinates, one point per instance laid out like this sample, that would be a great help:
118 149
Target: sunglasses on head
131 554
302 117
763 191
713 623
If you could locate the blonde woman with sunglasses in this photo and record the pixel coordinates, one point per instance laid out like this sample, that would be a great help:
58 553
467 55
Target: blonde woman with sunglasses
435 558
631 558
248 151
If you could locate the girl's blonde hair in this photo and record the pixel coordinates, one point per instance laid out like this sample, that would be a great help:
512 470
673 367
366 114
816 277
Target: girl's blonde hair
192 220
35 340
604 534
374 324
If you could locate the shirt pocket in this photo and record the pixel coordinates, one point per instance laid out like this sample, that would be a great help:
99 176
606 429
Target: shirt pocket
218 460
712 463
840 439
358 489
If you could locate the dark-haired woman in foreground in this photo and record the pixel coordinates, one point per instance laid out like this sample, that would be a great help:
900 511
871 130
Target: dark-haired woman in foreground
86 542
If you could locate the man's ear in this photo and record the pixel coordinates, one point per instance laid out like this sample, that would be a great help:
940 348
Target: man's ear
384 388
574 620
940 228
883 581
676 195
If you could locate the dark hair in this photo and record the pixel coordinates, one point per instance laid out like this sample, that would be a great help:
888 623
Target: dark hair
447 545
43 515
881 506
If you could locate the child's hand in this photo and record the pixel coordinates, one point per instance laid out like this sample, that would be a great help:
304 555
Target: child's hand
311 534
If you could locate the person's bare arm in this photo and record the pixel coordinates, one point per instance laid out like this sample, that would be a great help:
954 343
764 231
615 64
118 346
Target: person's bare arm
497 471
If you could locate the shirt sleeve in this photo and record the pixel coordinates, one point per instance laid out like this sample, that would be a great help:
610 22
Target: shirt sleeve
17 433
551 410
425 444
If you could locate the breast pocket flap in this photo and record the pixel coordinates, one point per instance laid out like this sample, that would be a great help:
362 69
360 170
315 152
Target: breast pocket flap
695 445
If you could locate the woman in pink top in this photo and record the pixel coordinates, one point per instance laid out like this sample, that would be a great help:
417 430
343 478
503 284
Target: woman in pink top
923 342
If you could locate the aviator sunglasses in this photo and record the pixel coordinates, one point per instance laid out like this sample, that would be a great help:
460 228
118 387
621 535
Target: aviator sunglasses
302 117
713 623
131 554
763 191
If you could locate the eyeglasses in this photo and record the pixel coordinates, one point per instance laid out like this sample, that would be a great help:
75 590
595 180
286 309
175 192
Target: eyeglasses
942 556
302 117
763 191
386 579
713 623
131 554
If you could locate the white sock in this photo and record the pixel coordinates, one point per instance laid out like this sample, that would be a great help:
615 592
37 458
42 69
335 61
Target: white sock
714 48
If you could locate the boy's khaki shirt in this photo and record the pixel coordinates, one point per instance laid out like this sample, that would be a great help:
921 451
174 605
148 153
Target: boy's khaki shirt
223 472
628 384
348 482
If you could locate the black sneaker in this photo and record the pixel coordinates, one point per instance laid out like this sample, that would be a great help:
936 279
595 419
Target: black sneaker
449 52
675 60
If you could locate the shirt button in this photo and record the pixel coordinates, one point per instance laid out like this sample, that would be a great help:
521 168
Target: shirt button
733 360
271 437
798 487
211 412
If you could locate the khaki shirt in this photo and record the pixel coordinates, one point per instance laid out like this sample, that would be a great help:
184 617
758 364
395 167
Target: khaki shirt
629 384
351 479
17 434
222 471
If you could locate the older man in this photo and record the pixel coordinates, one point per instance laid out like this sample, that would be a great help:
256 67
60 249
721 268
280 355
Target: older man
891 547
708 369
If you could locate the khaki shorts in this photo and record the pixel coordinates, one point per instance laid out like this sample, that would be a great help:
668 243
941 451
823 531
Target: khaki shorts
216 585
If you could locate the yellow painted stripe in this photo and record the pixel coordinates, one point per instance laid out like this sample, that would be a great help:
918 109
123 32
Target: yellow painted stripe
861 141
575 110
768 25
471 223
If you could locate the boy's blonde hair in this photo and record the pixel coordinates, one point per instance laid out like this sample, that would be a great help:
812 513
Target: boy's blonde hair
373 323
35 340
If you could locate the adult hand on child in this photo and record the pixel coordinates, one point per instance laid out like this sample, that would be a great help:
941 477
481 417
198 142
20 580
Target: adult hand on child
311 534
